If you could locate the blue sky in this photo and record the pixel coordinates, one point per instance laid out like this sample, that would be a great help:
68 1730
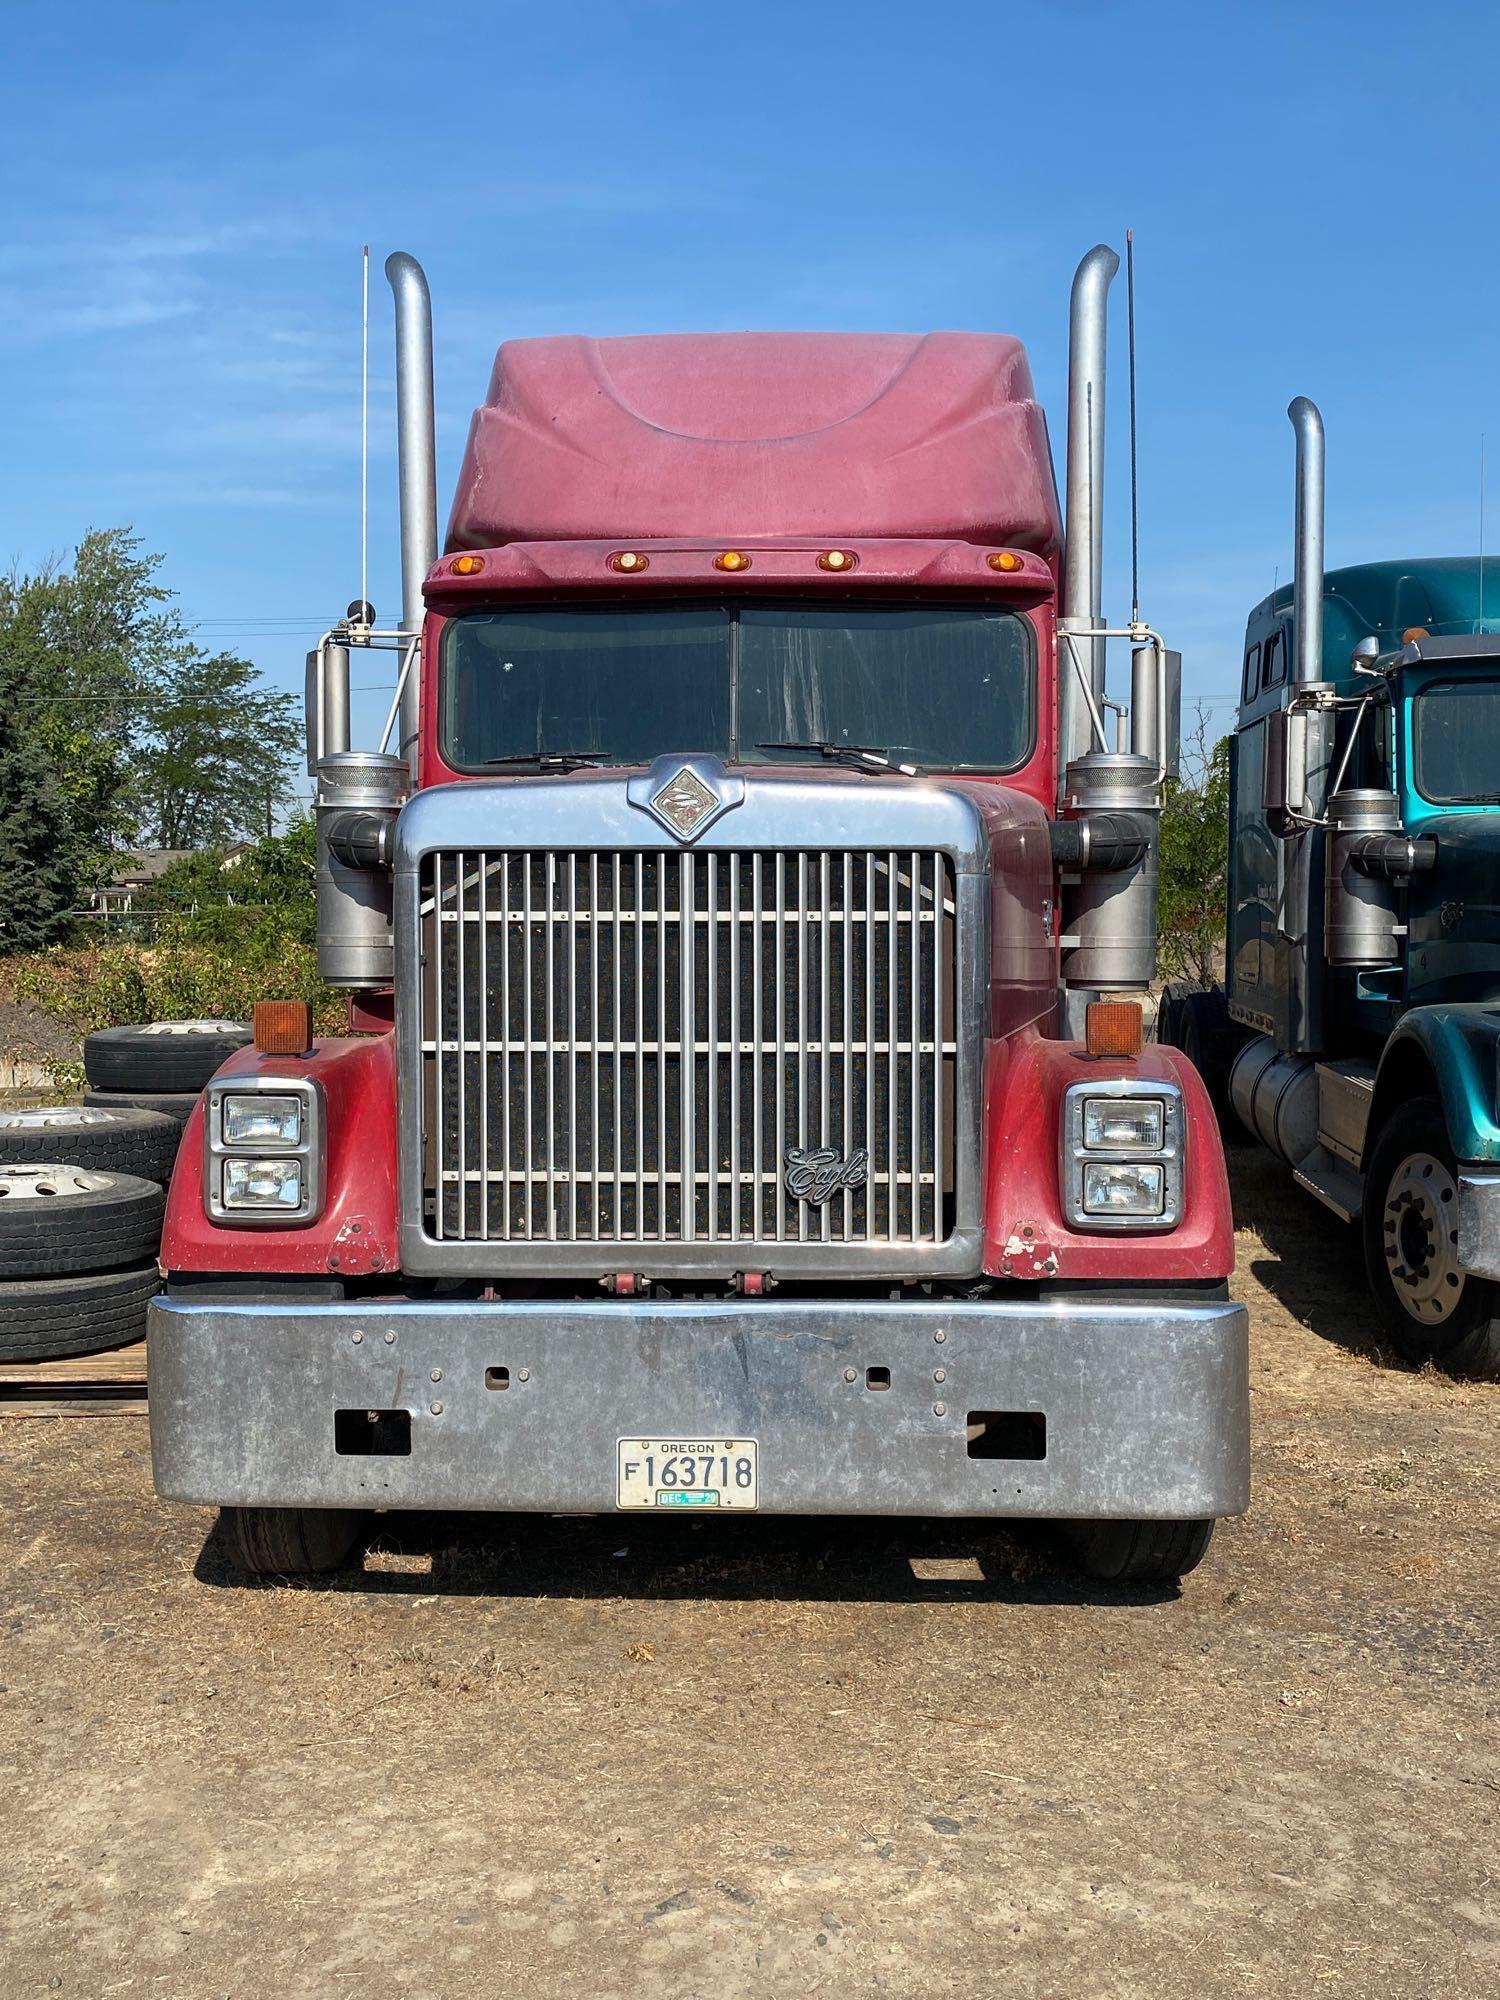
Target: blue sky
186 189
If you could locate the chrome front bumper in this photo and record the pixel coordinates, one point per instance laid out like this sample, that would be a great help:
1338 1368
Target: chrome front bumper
1146 1404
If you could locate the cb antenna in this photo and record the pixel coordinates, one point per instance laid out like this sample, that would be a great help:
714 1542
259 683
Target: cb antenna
1135 526
364 430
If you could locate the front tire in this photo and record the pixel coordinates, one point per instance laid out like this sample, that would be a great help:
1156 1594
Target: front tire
1138 1551
1431 1308
289 1541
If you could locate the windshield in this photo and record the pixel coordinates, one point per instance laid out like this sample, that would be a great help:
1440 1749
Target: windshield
1455 728
948 686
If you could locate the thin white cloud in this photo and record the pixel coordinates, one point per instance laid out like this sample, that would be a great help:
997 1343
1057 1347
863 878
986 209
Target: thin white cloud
29 315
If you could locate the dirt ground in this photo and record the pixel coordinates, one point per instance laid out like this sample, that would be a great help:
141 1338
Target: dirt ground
585 1757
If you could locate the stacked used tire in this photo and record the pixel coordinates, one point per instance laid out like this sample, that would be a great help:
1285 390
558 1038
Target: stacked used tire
82 1189
158 1066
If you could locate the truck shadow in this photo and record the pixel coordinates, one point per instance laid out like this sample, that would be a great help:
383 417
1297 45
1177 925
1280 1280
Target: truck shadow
768 1560
1309 1261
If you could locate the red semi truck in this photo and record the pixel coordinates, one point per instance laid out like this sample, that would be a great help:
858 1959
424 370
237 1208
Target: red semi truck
744 1102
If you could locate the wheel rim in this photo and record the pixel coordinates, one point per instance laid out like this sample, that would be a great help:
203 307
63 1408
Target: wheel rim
1420 1239
60 1118
191 1028
24 1183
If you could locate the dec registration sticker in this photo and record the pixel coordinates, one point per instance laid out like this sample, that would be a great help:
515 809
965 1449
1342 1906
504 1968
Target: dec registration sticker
687 1472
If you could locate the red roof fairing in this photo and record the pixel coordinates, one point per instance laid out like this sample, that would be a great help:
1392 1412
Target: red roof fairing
749 436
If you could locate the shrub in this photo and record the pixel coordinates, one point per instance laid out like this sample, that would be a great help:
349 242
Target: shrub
175 977
1195 862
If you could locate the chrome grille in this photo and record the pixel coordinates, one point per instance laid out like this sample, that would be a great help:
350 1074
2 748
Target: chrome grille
622 1047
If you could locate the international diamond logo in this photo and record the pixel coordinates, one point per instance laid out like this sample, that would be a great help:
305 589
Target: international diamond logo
684 802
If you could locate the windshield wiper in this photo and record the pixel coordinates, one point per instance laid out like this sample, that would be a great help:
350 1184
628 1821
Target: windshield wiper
551 760
846 753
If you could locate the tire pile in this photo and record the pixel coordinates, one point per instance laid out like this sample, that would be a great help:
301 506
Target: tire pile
82 1189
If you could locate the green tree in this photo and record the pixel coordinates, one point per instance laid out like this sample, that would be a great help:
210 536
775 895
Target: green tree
37 883
141 733
1195 861
216 750
81 649
268 888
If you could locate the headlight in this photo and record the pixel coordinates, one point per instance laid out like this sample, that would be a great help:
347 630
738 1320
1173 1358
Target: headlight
260 1119
1117 1187
1120 1159
1113 1124
263 1184
263 1145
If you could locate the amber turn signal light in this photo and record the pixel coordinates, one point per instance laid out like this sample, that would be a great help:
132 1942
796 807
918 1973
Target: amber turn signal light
836 559
468 565
1005 559
732 559
628 563
1114 1027
282 1027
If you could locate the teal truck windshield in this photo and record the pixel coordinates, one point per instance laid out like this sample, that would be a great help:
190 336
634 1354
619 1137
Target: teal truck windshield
949 687
1455 728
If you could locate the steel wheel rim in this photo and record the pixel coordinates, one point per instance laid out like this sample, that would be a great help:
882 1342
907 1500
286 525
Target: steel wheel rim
45 1183
191 1028
1419 1238
57 1118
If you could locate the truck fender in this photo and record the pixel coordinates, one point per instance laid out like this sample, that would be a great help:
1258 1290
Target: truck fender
355 1236
1025 1234
1449 1051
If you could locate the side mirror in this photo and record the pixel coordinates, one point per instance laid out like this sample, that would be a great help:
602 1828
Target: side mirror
1156 707
1283 788
327 702
1365 654
1171 721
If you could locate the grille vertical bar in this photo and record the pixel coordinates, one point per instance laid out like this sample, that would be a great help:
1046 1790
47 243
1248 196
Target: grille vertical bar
625 1048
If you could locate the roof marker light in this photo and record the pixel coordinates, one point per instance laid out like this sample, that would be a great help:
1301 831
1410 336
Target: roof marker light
468 565
1005 559
732 559
1414 632
836 559
629 563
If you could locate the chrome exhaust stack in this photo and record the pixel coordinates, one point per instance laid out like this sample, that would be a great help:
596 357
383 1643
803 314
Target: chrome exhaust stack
1307 573
416 440
1109 887
1083 558
1299 735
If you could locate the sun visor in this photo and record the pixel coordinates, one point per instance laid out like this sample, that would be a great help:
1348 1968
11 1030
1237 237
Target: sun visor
735 436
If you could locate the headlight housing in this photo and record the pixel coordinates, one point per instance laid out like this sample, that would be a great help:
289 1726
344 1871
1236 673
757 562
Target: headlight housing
260 1118
263 1148
1121 1154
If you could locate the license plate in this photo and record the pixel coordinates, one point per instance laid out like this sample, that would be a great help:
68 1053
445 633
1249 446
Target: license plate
685 1473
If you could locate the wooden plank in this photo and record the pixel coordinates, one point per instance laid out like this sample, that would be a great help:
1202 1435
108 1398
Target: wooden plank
86 1399
76 1384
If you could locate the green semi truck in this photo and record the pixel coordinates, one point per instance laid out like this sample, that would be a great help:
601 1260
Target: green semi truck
1357 1034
